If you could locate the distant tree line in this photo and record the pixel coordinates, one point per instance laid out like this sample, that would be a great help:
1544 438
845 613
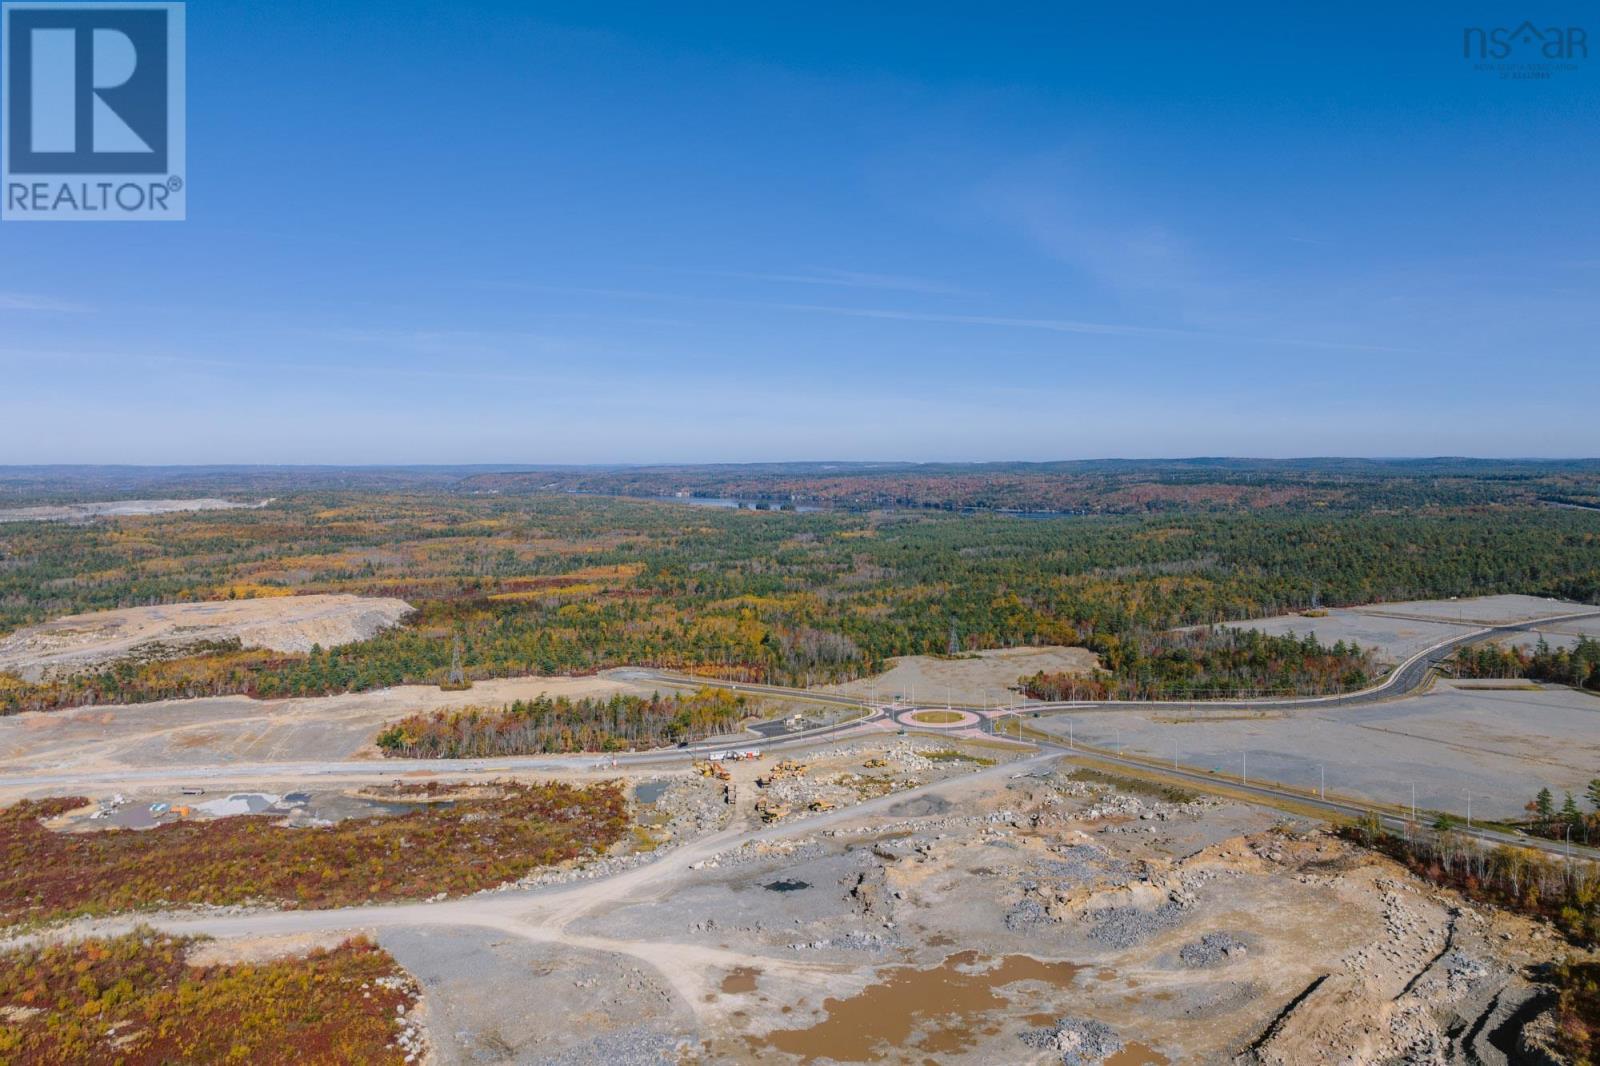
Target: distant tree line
571 585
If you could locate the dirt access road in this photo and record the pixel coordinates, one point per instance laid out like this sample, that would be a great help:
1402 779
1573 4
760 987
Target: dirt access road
545 914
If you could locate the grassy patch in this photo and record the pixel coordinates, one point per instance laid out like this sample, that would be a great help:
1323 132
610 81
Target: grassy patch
483 838
1137 786
937 717
133 1000
953 755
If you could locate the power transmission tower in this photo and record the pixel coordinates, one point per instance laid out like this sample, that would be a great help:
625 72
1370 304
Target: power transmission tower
458 677
955 640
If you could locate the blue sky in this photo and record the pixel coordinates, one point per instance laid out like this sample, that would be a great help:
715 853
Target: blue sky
605 233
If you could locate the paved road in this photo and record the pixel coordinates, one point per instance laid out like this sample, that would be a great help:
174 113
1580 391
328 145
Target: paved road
1407 678
1403 680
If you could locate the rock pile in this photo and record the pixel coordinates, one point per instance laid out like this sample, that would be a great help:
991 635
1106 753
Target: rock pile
1080 1041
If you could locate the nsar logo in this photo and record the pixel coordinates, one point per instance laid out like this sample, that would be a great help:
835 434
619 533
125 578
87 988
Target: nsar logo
93 99
1526 52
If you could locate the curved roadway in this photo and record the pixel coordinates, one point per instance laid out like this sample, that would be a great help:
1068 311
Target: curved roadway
1407 678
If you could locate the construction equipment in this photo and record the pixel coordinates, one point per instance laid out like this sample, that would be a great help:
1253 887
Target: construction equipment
771 812
712 769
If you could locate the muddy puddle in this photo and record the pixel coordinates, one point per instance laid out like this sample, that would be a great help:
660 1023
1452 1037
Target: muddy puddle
941 1010
741 979
786 885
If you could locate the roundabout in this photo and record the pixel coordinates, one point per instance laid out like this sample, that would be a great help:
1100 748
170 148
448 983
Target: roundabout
935 718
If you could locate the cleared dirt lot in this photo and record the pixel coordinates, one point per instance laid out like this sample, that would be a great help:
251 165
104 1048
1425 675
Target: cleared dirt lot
1557 634
976 678
231 729
1395 631
1502 742
1478 610
77 512
1392 640
282 623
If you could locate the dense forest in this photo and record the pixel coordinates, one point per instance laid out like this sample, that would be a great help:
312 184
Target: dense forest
566 584
1090 486
1203 664
545 726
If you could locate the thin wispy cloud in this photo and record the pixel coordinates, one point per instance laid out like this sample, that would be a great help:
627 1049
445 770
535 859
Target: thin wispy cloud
26 301
451 343
1049 325
848 279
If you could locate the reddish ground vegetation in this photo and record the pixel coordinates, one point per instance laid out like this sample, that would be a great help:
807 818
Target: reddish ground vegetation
1578 1010
479 840
133 1000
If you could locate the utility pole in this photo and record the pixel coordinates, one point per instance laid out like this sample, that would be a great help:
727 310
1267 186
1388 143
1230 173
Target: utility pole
1244 776
1469 808
1413 801
1322 787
